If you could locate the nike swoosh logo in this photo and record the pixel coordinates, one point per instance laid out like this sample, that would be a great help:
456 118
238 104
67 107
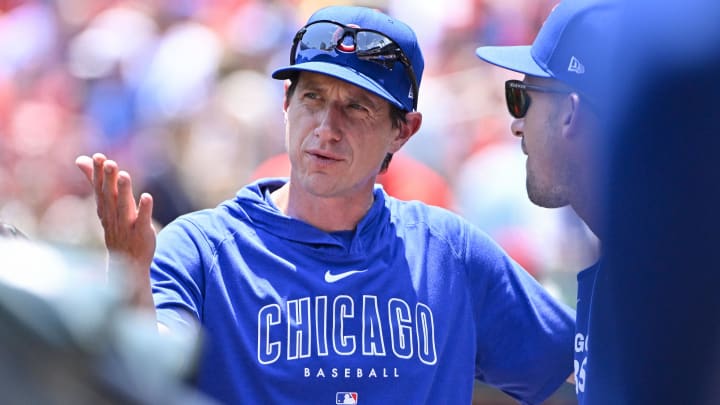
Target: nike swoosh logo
332 278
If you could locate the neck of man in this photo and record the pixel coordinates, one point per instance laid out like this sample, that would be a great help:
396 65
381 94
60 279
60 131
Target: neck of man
330 214
588 215
588 205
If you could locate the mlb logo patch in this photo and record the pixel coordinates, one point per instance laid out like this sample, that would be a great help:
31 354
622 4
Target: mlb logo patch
346 398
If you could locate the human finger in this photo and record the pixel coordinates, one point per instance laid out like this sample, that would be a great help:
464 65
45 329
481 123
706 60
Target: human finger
144 224
85 164
97 181
144 214
125 201
109 194
98 176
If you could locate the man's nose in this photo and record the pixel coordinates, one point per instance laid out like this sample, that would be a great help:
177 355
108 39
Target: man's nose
330 124
517 127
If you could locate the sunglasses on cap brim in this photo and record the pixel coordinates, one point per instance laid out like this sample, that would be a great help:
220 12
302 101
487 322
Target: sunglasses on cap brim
368 45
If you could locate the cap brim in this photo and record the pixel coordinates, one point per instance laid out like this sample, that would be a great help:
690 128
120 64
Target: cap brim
515 58
344 73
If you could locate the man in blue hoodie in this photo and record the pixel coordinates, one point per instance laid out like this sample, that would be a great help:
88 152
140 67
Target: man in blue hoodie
321 288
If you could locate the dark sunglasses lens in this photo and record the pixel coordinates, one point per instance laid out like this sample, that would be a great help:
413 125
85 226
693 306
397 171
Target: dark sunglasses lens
372 42
517 101
321 36
377 48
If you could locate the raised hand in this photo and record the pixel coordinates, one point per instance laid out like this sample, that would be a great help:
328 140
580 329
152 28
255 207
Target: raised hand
129 232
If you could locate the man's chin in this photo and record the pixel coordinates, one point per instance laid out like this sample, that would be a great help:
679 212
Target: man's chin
546 200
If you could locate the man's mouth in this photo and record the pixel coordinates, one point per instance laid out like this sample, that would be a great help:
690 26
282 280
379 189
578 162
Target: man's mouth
323 156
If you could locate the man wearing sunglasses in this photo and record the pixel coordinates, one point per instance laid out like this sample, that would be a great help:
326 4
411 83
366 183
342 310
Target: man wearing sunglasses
557 111
323 289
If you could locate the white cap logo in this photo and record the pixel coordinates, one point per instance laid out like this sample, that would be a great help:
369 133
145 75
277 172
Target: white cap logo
576 66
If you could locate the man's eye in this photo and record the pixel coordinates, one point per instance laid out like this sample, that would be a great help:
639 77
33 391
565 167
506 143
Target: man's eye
310 95
356 106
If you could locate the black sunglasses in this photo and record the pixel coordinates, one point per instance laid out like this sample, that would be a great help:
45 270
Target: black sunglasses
517 98
367 45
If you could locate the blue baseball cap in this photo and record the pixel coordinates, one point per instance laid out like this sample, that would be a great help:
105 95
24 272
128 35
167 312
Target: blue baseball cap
391 81
574 46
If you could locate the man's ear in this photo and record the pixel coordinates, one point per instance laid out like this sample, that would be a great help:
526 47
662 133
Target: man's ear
413 121
286 101
570 114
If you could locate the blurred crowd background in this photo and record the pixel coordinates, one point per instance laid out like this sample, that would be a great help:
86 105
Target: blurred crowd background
179 93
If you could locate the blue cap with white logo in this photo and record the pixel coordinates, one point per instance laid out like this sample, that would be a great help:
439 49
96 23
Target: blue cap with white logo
573 46
361 46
